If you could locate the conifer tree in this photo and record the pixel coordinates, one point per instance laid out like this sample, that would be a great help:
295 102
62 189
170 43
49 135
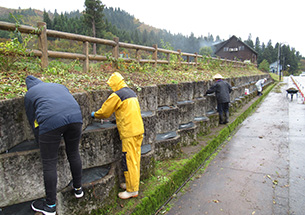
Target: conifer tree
47 20
94 17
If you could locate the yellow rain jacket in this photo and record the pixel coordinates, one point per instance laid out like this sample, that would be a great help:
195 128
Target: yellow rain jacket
123 101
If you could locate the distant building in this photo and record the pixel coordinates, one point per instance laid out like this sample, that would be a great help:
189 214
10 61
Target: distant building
235 49
273 67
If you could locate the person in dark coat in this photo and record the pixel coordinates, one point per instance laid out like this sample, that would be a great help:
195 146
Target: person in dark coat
53 113
222 89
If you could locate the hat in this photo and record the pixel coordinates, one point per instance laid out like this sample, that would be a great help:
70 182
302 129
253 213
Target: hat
217 76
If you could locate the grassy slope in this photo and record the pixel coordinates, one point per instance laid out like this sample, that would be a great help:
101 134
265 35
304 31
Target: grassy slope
13 82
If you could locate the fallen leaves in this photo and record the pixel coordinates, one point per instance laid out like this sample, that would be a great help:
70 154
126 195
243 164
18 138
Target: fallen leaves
72 76
216 201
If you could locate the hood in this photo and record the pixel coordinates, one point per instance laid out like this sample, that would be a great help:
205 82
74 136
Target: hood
32 81
116 81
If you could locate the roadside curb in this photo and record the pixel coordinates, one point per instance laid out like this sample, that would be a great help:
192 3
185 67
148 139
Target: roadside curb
297 85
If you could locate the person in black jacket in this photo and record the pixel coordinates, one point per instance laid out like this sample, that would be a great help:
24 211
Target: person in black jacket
53 113
222 89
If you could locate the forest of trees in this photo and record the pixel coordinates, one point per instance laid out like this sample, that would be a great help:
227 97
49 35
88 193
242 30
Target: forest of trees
111 22
289 57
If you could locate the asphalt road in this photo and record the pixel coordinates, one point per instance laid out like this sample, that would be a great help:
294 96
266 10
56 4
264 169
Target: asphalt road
260 170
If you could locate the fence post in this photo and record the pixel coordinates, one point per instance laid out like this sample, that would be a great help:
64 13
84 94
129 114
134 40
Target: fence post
168 58
43 44
196 59
137 55
86 52
155 55
179 57
115 52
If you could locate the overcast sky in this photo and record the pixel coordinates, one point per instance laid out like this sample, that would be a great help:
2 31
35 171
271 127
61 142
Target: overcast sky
275 20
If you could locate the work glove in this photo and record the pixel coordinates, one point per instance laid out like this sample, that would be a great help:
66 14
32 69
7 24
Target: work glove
92 114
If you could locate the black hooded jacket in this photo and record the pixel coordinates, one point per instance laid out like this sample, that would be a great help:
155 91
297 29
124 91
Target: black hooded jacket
222 89
50 104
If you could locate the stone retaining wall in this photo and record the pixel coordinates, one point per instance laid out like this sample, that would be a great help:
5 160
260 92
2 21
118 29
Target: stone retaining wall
173 115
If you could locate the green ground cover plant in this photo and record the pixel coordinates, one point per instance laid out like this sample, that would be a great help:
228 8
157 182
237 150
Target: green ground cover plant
70 74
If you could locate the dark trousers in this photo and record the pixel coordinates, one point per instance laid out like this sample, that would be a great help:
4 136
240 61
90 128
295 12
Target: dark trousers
223 108
49 145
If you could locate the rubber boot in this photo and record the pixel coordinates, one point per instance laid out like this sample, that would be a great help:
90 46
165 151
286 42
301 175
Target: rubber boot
226 118
221 119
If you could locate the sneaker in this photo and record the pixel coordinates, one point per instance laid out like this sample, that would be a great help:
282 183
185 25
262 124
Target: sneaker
127 195
78 192
42 207
123 186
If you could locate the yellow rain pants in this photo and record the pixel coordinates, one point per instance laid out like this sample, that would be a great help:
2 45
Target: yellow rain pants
131 148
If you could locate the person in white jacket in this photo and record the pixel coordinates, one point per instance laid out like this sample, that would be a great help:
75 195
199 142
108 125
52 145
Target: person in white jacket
259 85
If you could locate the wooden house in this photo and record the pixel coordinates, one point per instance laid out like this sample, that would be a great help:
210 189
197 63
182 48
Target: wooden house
235 49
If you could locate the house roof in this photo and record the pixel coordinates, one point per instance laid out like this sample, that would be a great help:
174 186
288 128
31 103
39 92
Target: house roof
220 45
275 63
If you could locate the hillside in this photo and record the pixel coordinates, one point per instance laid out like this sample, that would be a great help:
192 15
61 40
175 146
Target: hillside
25 16
114 16
117 23
70 74
124 21
129 29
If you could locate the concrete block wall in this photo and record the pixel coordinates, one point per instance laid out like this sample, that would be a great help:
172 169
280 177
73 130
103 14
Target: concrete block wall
173 115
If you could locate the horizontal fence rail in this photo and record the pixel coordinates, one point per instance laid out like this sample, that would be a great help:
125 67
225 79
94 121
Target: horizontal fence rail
44 54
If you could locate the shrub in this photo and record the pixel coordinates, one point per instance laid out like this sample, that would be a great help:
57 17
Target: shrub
14 54
264 66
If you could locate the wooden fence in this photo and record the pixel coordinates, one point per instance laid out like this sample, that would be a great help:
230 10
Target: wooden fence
43 33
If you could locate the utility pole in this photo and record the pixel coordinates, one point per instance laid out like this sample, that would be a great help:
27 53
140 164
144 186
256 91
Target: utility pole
278 61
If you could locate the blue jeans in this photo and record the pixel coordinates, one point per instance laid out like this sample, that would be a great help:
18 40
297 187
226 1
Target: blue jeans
49 145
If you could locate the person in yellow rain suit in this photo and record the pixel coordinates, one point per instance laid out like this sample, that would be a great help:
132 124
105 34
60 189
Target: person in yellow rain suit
124 102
